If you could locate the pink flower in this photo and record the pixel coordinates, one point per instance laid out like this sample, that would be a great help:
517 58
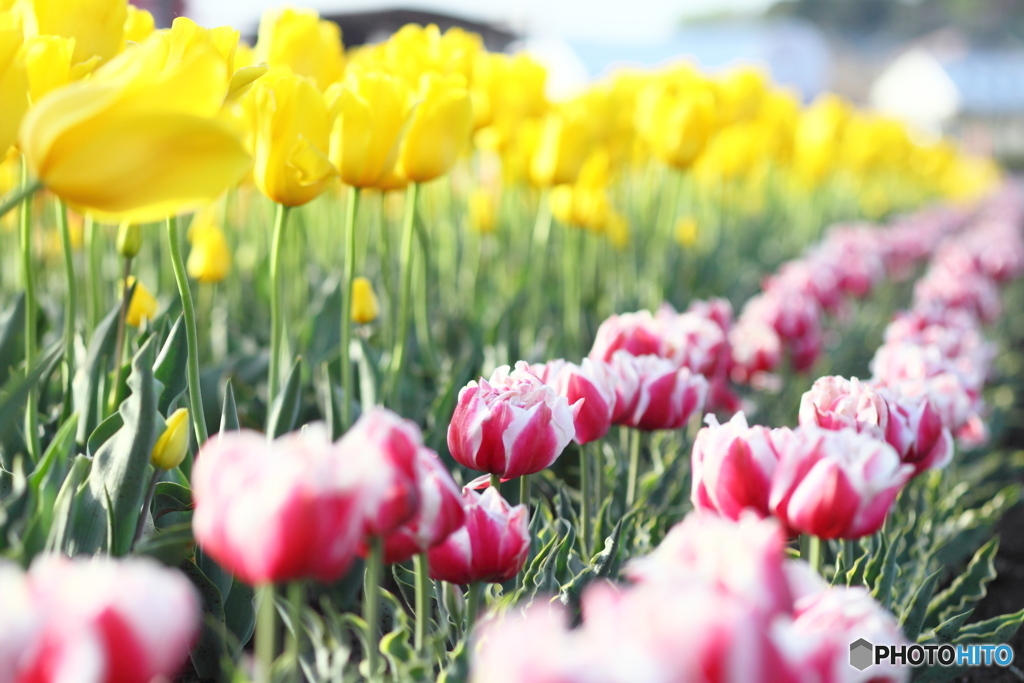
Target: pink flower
491 546
510 425
756 349
732 466
795 315
665 397
593 383
743 558
277 511
971 292
21 622
696 339
916 431
639 334
103 620
838 403
440 511
835 484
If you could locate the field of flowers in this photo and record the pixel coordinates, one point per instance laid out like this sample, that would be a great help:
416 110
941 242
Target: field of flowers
324 364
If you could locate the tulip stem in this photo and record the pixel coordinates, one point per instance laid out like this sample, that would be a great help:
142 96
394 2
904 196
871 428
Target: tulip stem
813 547
524 491
140 525
113 401
422 602
476 590
195 394
70 306
598 479
94 297
371 603
849 551
31 310
20 195
398 356
584 499
265 636
296 598
346 306
276 320
634 467
496 482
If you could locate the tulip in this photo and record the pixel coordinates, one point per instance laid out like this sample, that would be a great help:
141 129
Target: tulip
143 305
20 621
835 484
97 26
129 240
665 397
732 466
172 446
440 512
756 349
370 111
365 308
916 431
483 213
277 511
303 42
98 621
289 137
48 63
142 138
510 425
138 25
591 382
677 120
565 141
837 403
210 258
438 131
639 334
14 86
491 546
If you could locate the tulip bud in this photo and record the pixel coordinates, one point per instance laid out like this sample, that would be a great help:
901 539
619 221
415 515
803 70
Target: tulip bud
129 239
364 302
143 305
172 446
210 258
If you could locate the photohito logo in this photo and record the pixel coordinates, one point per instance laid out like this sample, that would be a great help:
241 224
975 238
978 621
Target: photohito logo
863 654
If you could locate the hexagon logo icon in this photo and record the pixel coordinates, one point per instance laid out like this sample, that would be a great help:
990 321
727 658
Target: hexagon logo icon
861 654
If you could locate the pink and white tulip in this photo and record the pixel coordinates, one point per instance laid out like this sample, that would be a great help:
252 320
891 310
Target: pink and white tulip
838 403
666 396
593 383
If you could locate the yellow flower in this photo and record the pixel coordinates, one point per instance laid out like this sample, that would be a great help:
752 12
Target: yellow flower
482 210
439 130
677 119
98 26
686 231
370 111
143 137
143 305
364 301
139 24
563 146
210 258
48 64
289 136
172 446
300 40
13 86
618 230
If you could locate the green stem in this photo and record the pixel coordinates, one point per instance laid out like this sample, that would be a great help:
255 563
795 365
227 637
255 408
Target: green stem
346 306
496 482
524 491
140 525
114 400
70 306
371 603
634 467
585 511
276 321
195 394
599 476
265 635
31 310
814 552
20 195
570 287
398 355
476 590
296 599
422 602
94 295
849 552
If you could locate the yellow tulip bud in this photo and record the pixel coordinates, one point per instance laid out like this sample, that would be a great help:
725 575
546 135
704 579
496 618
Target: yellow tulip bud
364 301
370 112
302 42
210 258
13 86
289 135
686 231
145 136
172 446
439 130
129 239
96 25
138 25
143 305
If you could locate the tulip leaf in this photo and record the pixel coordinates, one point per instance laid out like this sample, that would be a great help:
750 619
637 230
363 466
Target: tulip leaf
172 365
991 631
12 331
968 589
948 629
912 620
229 411
210 650
285 413
240 615
170 545
103 432
855 576
63 507
89 378
887 577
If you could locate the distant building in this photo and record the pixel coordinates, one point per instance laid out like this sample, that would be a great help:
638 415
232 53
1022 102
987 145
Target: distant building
163 11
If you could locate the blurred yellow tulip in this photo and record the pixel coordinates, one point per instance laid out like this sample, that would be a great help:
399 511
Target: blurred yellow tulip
686 231
209 261
143 305
289 134
439 130
370 111
98 26
143 137
677 119
139 24
14 95
483 213
299 40
364 302
562 147
49 66
172 446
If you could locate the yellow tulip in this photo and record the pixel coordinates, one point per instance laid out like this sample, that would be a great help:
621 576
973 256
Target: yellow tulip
172 446
364 302
439 130
139 24
98 26
49 66
370 112
564 144
677 120
143 137
210 258
618 230
300 40
14 95
289 135
482 211
686 231
415 50
143 305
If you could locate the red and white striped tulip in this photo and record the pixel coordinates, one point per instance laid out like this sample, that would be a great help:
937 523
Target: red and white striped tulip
666 396
593 383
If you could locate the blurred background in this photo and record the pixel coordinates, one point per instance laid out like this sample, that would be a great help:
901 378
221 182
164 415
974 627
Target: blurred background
951 67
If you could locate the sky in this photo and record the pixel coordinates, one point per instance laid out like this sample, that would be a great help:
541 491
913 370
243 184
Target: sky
612 21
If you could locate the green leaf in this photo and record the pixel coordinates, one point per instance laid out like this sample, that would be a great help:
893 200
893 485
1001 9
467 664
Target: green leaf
12 334
209 650
947 630
63 507
991 631
967 589
170 545
103 432
240 615
16 390
912 620
285 413
229 412
90 376
883 586
172 366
